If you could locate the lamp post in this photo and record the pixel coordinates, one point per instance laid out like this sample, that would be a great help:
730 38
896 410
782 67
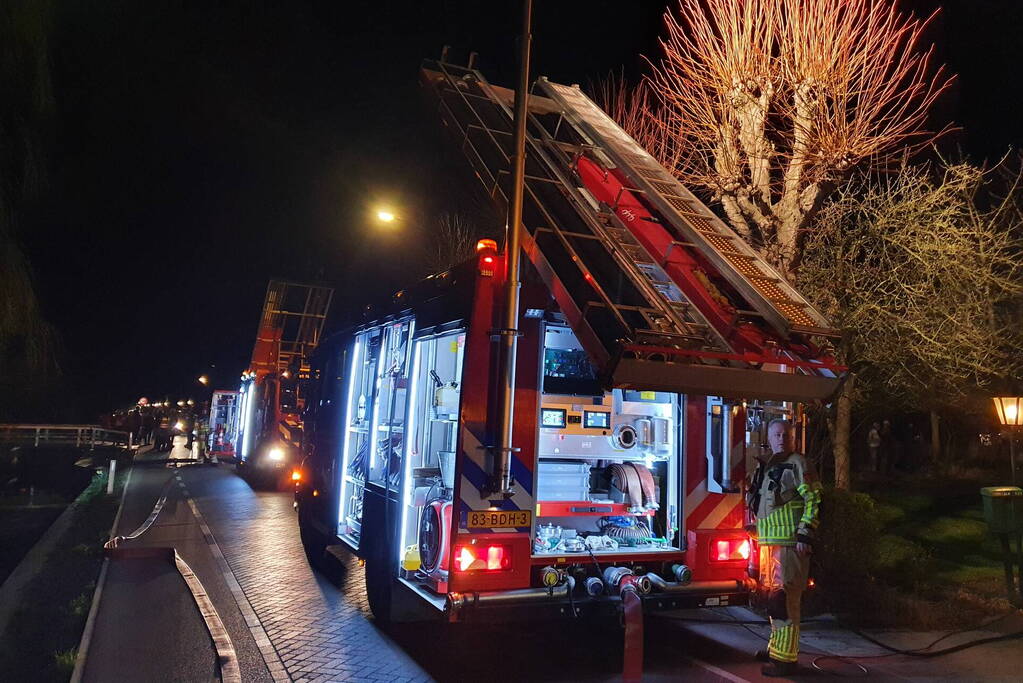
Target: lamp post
1010 415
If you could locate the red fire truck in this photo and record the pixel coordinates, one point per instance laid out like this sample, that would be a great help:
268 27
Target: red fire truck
223 422
272 393
654 348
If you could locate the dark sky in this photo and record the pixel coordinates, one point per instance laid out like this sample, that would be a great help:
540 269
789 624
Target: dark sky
204 147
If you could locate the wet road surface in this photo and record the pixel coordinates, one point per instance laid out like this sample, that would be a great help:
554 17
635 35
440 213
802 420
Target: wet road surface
289 621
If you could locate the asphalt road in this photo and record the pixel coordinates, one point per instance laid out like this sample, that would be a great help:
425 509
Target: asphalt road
289 621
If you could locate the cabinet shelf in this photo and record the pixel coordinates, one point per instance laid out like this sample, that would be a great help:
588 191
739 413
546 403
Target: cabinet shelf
623 551
624 457
585 508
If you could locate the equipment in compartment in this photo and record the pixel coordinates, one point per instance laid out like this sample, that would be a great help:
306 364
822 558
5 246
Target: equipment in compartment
445 398
634 484
630 531
559 480
434 536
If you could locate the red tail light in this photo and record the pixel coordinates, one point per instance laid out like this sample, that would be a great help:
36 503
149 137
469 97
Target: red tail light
487 253
489 558
727 550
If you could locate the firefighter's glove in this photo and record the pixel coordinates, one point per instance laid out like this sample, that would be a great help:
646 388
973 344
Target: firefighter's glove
803 548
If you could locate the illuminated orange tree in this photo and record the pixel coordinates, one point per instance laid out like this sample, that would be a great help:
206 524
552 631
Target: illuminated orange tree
768 105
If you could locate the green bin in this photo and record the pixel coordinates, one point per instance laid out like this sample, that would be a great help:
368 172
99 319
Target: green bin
1003 509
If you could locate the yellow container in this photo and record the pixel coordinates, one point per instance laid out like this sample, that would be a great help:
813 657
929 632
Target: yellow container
411 562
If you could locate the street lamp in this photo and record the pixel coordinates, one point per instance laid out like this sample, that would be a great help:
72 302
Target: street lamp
1010 414
204 380
385 216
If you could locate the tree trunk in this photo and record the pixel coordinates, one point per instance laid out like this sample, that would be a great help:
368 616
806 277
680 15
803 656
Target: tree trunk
840 441
935 436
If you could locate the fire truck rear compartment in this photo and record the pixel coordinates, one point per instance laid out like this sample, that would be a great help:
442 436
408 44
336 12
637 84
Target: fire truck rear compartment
607 475
607 486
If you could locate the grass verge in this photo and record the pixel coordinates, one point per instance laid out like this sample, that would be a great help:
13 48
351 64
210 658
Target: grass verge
41 640
933 565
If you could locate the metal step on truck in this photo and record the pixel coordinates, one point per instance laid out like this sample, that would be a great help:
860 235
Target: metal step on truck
654 347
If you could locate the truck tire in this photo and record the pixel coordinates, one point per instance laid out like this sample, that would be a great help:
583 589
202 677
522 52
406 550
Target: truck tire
379 589
313 542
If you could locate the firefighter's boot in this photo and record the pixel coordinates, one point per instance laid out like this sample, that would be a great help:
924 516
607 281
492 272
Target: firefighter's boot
776 669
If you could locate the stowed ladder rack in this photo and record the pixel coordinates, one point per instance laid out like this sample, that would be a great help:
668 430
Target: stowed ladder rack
781 306
613 291
610 289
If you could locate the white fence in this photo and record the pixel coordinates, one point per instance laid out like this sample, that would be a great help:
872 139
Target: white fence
63 435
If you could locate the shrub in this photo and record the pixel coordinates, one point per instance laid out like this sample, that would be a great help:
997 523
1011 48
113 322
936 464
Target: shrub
64 662
846 552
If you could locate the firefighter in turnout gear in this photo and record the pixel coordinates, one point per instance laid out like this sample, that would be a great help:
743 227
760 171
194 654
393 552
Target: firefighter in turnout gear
784 495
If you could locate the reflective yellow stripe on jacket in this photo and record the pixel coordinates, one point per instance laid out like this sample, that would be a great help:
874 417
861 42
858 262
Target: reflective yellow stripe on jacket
779 527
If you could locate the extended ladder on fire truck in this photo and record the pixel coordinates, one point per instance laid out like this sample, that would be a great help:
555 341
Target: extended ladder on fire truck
636 322
289 329
290 326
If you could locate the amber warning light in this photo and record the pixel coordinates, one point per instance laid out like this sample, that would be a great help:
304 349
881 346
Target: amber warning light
486 252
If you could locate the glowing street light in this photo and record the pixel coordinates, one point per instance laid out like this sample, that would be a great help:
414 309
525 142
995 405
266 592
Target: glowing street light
385 216
204 380
1010 414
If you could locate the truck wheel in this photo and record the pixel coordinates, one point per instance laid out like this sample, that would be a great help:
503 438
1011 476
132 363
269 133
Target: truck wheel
313 542
379 587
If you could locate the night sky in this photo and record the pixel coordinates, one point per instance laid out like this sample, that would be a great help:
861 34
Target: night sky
204 147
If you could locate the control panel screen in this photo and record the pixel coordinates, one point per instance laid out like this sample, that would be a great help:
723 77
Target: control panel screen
552 417
596 419
568 371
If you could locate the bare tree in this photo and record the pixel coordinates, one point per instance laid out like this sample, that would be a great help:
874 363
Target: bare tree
452 241
768 105
922 271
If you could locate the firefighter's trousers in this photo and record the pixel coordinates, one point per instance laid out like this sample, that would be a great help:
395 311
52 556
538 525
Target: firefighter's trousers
783 575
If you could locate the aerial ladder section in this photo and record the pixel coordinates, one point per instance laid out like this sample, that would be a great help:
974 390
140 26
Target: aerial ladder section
660 292
289 329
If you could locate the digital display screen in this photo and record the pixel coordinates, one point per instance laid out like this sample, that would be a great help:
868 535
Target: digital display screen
596 419
552 417
568 371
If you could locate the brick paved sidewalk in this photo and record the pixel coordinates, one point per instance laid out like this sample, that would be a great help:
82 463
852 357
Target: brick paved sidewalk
321 633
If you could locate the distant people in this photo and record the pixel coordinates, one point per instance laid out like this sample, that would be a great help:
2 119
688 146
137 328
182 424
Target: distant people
874 445
162 435
202 429
147 428
134 424
886 454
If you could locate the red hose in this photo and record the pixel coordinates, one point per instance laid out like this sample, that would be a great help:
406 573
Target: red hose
632 664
